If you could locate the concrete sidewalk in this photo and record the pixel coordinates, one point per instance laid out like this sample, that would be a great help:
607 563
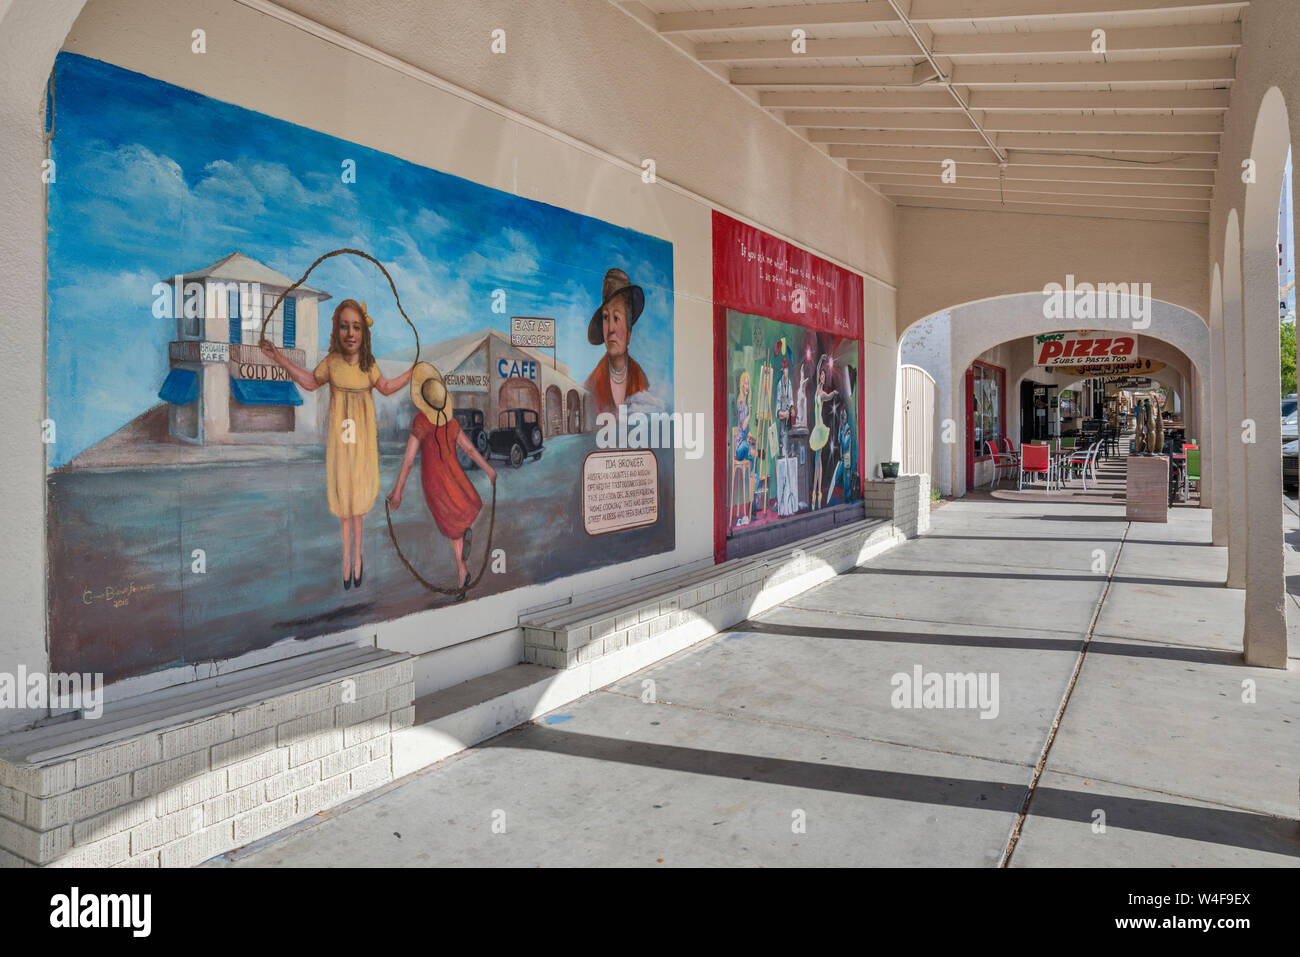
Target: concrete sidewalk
778 743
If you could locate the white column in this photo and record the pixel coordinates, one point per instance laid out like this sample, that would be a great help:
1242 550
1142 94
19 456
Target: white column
1234 413
1265 626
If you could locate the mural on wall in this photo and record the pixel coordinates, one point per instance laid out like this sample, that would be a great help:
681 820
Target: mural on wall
223 445
788 332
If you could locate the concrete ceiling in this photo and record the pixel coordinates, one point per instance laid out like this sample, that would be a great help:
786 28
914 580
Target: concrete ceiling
1010 90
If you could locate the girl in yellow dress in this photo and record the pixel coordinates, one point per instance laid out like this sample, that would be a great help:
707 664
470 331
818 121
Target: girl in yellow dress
352 445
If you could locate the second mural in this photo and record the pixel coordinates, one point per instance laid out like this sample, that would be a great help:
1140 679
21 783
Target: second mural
788 330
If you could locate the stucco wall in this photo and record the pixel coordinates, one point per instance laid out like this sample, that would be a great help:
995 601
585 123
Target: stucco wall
951 257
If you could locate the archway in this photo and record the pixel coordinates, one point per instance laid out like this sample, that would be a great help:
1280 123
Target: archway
554 412
947 343
519 394
573 407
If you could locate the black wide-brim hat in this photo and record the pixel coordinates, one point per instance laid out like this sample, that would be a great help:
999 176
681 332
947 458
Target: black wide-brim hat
616 282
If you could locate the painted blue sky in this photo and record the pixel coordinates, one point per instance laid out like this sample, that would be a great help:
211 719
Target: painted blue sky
153 180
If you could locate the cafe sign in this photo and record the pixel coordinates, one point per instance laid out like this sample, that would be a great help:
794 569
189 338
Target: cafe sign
1069 350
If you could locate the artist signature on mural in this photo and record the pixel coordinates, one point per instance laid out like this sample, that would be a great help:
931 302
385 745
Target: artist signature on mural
116 596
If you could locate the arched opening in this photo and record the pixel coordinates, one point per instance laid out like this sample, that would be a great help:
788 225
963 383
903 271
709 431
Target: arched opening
573 409
554 412
519 394
949 343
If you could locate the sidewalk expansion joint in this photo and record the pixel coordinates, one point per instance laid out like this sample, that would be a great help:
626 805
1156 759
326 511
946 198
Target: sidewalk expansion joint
1014 837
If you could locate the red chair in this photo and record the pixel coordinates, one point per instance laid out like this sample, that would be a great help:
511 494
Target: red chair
1035 460
1002 462
1010 448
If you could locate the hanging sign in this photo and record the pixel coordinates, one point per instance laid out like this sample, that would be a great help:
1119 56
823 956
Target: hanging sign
1136 367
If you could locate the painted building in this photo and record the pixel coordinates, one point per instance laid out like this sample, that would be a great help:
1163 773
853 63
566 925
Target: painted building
220 387
485 372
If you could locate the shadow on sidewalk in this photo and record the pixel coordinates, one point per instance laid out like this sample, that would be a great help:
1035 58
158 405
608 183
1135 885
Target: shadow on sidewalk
1244 829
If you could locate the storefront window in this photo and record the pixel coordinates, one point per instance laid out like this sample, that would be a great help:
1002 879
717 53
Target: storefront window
984 407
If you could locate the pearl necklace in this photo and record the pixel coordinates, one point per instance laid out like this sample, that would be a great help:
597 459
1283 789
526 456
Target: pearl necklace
618 378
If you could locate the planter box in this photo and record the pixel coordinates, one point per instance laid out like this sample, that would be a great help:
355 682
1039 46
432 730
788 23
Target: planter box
1147 495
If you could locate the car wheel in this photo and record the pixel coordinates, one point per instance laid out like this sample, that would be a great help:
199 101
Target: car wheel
536 437
481 442
516 455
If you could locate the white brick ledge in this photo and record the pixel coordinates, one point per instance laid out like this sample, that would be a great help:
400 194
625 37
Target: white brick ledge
173 778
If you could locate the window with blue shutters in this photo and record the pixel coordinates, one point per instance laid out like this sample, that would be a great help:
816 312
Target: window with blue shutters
290 321
232 299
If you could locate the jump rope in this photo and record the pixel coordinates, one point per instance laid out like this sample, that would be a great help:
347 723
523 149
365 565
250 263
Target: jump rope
442 420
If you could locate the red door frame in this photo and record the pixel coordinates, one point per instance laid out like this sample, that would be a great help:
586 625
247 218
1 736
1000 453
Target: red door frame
971 458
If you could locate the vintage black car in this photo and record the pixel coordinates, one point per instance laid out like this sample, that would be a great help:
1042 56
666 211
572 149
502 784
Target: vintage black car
518 437
471 423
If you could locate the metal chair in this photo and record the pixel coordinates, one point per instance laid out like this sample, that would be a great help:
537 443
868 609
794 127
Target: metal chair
1192 473
1082 462
1035 460
1002 462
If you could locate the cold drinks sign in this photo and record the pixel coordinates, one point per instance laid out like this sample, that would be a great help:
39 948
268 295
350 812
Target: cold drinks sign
1069 349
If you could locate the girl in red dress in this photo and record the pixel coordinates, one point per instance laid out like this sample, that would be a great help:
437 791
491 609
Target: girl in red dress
435 434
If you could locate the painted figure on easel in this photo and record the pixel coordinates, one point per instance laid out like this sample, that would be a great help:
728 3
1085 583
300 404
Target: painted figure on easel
453 501
820 434
352 446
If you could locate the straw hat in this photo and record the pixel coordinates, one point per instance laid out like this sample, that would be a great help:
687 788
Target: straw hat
430 393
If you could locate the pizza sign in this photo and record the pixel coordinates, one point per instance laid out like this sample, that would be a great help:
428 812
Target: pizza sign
1066 350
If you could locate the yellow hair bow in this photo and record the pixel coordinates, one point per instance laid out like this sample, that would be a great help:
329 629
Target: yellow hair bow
365 312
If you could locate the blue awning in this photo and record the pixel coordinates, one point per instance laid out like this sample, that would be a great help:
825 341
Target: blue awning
181 387
261 392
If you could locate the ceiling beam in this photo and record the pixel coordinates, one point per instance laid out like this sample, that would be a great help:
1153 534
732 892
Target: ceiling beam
935 156
993 183
1005 122
1066 142
1124 71
1024 122
998 74
964 11
865 48
1088 211
822 76
1125 174
1118 202
1160 101
933 99
794 15
1225 37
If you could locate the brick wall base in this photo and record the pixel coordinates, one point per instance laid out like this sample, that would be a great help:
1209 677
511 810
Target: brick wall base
174 794
905 501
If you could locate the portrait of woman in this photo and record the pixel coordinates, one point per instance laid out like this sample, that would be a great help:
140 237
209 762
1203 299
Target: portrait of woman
451 497
617 375
821 433
352 439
